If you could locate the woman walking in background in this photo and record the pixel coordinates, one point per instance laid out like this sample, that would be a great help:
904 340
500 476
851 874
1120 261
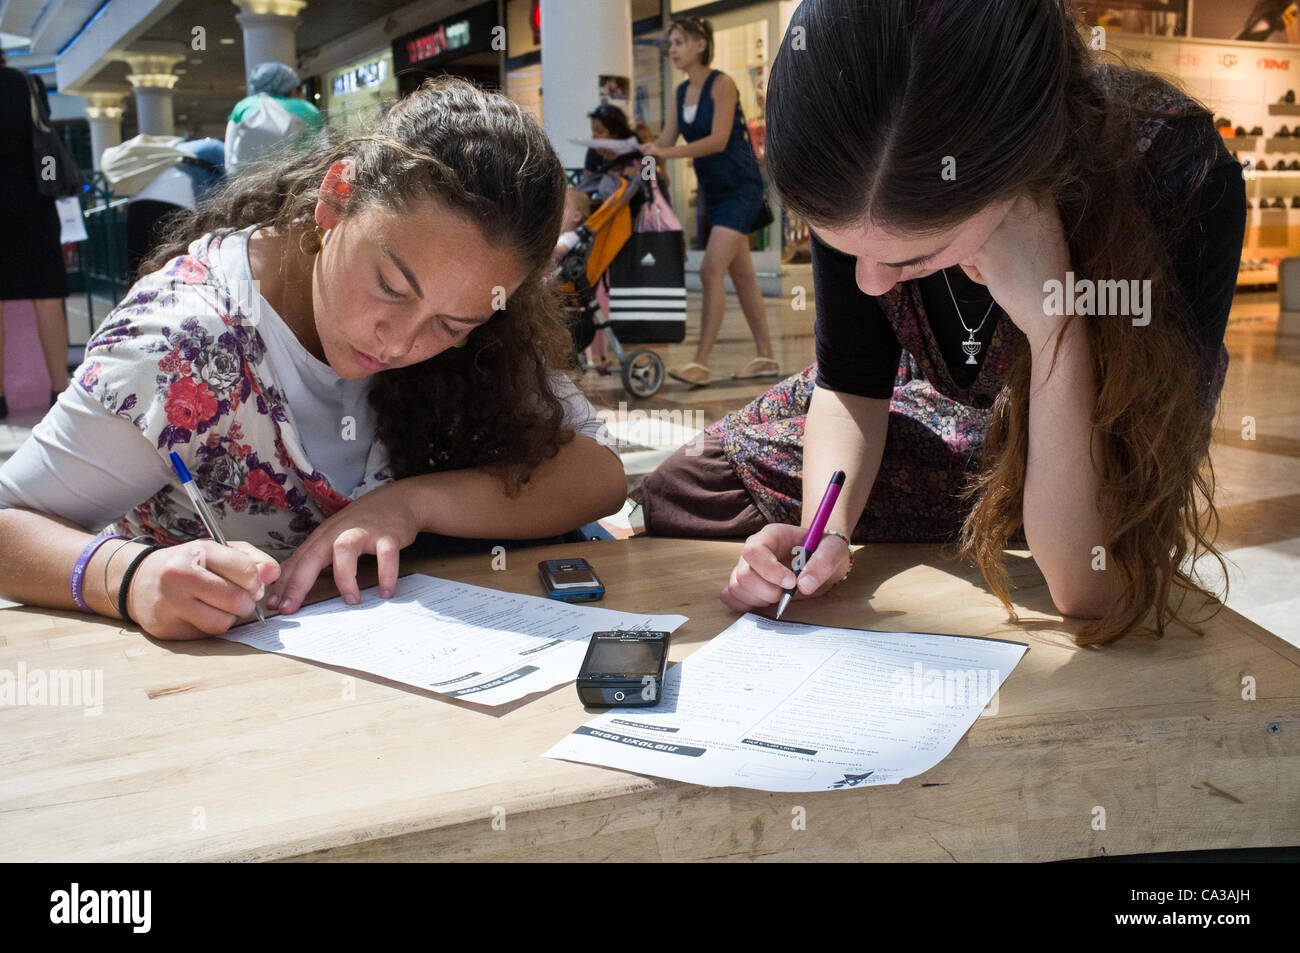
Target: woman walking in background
31 257
709 118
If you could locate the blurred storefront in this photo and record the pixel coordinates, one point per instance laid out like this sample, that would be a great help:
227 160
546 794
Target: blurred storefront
468 44
353 95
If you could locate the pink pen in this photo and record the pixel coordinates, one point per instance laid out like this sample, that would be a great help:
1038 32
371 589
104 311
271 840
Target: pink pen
814 533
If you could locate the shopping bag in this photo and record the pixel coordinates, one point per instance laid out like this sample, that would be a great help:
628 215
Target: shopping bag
647 288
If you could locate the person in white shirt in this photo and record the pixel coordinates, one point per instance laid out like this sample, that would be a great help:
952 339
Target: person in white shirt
345 349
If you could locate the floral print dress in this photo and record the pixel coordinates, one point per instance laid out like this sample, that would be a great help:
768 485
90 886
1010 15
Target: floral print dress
181 357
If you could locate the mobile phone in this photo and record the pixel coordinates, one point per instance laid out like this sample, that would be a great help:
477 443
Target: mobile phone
624 668
570 580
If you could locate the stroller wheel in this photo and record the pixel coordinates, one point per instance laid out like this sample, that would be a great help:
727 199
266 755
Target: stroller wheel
643 373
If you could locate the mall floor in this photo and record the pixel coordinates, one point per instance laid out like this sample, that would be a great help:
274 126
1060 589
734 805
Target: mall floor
1257 475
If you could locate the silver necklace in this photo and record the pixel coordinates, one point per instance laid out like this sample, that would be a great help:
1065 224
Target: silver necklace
970 345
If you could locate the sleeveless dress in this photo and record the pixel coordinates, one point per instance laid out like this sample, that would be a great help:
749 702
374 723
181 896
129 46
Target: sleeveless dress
747 470
731 185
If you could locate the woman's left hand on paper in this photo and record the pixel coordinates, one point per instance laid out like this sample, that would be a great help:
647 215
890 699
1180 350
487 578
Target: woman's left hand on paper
380 523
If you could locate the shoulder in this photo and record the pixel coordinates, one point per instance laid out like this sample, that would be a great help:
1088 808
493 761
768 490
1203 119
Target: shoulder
300 107
722 83
242 107
178 340
1186 161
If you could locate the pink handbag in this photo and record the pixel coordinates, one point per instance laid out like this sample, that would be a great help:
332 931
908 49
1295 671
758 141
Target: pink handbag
656 215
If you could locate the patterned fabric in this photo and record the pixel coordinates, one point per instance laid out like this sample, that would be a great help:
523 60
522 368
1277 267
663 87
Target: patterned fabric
936 429
183 361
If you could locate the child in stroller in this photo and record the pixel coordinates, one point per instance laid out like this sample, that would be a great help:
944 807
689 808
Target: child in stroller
583 254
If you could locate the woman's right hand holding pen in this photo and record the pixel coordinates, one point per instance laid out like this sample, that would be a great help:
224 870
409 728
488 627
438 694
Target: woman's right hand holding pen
765 571
196 589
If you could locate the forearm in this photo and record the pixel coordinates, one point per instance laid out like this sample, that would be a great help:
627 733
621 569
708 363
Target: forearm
1062 520
581 483
693 150
842 432
39 553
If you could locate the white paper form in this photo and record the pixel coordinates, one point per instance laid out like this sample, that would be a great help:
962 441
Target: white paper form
780 706
464 641
617 146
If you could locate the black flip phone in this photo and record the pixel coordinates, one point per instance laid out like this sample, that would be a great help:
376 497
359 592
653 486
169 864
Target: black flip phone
624 668
570 580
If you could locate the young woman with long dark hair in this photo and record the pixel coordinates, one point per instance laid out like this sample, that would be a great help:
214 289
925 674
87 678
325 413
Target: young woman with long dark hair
707 115
1024 258
346 347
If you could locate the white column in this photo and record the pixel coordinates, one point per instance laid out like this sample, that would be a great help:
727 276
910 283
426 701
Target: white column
268 27
153 108
151 80
581 41
104 114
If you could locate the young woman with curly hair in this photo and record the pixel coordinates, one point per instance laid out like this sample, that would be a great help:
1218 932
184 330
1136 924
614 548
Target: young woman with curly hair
345 347
969 170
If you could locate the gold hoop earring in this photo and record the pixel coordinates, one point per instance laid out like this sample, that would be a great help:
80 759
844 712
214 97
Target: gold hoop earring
462 342
309 243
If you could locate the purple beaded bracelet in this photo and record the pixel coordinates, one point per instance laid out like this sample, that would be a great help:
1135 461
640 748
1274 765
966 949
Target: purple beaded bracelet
79 570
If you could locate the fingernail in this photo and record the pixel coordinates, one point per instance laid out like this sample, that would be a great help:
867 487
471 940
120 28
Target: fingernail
788 583
386 593
273 601
351 599
261 591
806 585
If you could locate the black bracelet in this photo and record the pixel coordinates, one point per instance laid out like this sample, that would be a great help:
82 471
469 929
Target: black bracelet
127 576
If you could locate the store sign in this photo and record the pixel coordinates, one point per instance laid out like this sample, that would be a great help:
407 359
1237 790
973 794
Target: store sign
447 37
360 77
470 32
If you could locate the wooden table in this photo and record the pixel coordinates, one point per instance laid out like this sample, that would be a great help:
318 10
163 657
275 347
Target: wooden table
212 750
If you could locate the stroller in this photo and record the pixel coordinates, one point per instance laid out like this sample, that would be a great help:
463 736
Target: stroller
600 239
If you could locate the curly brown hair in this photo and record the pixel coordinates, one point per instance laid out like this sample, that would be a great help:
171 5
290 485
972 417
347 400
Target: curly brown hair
490 403
890 87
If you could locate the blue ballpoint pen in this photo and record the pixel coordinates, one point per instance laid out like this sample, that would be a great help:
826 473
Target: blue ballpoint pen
205 514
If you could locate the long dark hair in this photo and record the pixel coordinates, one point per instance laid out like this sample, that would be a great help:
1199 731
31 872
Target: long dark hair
489 403
864 103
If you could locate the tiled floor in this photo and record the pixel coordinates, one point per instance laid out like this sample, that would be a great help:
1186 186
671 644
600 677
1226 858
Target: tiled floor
1258 480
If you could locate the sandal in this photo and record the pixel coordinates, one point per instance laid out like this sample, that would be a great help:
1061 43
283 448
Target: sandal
677 375
768 365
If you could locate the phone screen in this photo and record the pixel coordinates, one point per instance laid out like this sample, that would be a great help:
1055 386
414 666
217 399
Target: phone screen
613 657
572 576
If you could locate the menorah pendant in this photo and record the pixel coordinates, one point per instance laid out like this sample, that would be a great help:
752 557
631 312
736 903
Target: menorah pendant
971 347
